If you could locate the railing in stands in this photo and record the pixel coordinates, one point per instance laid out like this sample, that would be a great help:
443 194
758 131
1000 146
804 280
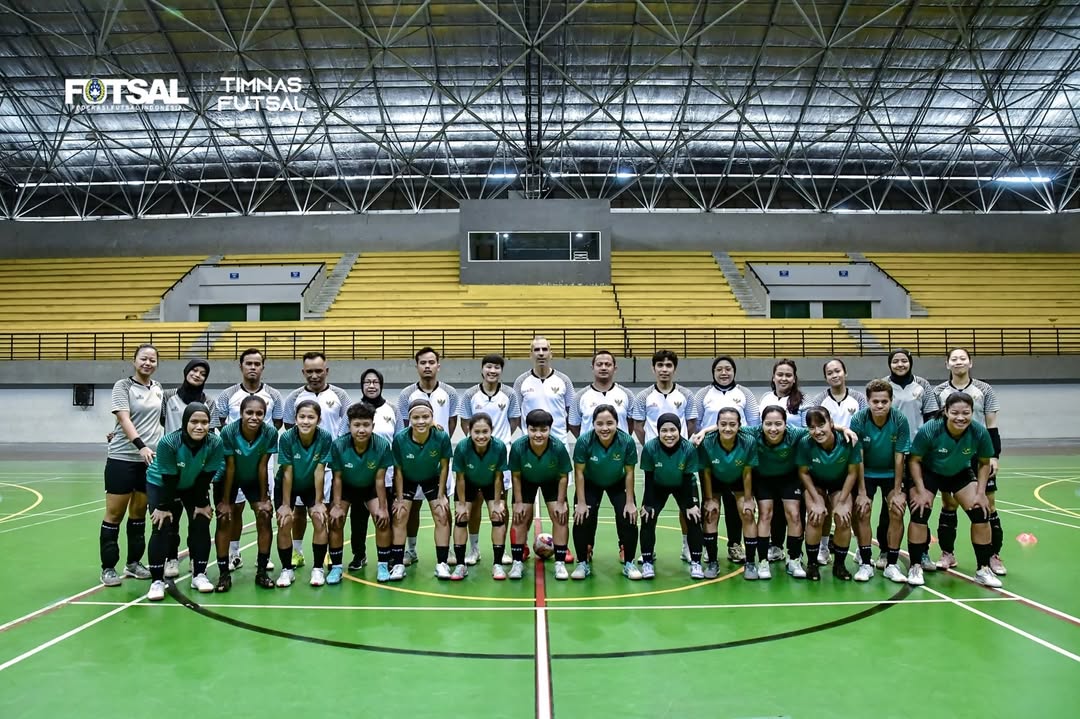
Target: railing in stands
378 344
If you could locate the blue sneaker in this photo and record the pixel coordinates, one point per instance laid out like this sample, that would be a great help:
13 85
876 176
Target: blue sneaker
334 576
383 573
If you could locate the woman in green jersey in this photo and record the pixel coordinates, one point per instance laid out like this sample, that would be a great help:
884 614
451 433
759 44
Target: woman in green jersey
479 464
727 457
670 463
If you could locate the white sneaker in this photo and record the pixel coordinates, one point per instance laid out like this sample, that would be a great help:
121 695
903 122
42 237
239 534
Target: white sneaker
157 591
581 571
696 572
473 557
507 558
894 574
763 569
881 562
947 561
865 573
648 571
712 570
823 556
927 564
685 556
516 570
201 583
442 570
411 557
775 554
750 571
497 572
286 578
631 571
397 573
560 571
172 568
270 564
795 568
318 577
235 562
915 576
460 572
986 577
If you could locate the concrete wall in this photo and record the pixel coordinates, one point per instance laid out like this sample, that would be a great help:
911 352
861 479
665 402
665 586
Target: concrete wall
816 283
250 285
629 231
519 215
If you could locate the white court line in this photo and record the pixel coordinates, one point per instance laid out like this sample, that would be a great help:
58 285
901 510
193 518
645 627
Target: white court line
1049 610
59 509
1005 625
560 608
82 627
1071 477
1020 513
46 521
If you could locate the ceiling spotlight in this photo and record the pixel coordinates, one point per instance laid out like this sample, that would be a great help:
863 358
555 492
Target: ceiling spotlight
972 130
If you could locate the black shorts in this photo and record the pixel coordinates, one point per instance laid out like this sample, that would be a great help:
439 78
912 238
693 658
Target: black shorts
251 492
182 498
124 477
873 484
991 483
307 496
487 490
357 495
951 483
828 488
430 489
549 491
785 486
655 496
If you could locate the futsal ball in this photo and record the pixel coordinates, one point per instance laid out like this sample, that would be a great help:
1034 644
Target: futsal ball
544 546
1027 538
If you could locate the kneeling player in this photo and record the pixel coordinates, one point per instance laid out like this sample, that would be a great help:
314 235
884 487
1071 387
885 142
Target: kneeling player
479 464
539 463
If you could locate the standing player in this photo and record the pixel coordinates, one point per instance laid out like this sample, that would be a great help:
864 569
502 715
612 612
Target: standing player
443 401
248 443
914 398
539 463
303 453
785 394
666 397
829 471
777 476
226 409
604 462
500 404
941 458
334 403
186 462
721 394
359 461
136 403
546 388
985 410
883 430
371 385
479 466
603 390
670 463
422 455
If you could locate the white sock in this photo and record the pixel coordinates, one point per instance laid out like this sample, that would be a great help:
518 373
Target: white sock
234 547
474 541
298 546
411 543
685 544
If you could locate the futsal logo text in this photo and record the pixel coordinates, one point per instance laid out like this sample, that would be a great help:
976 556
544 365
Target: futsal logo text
122 91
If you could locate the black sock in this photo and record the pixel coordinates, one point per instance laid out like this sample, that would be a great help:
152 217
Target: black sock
264 557
397 554
459 553
223 565
695 556
709 540
284 555
136 538
812 552
497 551
762 549
751 549
384 554
866 554
892 556
917 550
109 544
841 555
996 534
517 551
318 554
794 547
442 554
946 530
560 552
983 552
335 556
646 557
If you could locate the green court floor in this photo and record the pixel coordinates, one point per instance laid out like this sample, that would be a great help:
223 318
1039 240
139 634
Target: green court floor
606 647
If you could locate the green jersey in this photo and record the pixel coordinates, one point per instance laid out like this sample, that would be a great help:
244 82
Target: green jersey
246 455
724 466
303 460
777 460
670 469
360 470
827 467
550 466
175 459
605 466
421 462
880 444
946 455
480 470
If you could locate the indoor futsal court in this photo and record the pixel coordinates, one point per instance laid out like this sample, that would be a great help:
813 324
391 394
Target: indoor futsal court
721 647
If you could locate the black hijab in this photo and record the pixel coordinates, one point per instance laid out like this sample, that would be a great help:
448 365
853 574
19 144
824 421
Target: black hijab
191 409
188 392
378 401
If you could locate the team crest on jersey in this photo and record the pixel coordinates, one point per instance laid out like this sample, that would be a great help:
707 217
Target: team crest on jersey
491 467
433 453
678 404
441 401
966 451
617 457
740 462
501 405
372 464
618 401
330 402
556 388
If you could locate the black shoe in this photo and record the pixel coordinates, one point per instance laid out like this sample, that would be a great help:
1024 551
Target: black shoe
262 579
812 572
840 571
224 583
357 564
